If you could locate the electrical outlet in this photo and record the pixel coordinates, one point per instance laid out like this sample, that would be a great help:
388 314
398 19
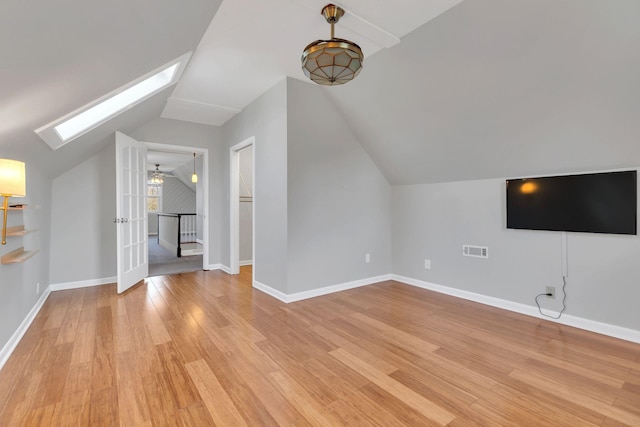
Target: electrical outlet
427 264
38 288
367 258
551 290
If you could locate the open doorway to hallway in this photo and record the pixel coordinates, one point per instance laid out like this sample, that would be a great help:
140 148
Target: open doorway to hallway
175 206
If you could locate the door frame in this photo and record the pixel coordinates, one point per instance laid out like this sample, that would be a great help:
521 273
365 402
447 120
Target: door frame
156 146
234 202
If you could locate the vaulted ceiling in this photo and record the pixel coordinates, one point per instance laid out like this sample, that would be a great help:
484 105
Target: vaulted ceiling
450 90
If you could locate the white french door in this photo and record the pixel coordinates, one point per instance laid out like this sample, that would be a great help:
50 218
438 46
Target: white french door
131 212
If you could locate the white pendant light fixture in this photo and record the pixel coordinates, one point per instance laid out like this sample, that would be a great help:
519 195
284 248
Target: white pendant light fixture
194 176
335 61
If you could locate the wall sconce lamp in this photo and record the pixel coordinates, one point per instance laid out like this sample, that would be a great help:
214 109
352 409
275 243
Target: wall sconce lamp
194 176
12 184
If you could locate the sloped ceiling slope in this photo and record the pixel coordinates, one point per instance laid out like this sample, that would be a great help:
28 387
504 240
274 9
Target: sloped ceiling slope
59 56
502 88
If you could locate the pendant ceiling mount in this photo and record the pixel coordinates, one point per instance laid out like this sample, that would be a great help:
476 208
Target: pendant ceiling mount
335 61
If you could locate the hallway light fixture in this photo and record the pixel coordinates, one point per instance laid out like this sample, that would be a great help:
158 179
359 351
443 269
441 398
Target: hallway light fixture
335 61
156 177
13 183
194 176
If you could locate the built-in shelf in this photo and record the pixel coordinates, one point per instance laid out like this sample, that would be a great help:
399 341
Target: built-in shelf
15 208
18 230
19 255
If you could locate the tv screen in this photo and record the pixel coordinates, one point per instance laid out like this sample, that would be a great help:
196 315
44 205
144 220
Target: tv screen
592 203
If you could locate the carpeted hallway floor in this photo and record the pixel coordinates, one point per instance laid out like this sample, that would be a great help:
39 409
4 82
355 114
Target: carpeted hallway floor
162 261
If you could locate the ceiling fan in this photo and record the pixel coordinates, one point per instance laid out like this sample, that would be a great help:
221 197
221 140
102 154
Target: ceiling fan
157 177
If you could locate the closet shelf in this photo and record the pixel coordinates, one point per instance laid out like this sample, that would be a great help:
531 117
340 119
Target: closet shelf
19 255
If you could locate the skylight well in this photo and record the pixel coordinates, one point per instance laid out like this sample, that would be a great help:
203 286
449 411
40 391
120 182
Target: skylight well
92 115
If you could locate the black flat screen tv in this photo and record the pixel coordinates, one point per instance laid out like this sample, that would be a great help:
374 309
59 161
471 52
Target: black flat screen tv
591 203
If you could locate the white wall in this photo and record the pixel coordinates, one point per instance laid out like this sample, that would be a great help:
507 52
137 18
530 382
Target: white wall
266 120
245 211
83 238
338 200
433 221
200 200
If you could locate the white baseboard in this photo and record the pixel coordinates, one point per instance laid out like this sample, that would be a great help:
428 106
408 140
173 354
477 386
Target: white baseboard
270 291
11 345
299 296
82 284
566 319
247 262
219 267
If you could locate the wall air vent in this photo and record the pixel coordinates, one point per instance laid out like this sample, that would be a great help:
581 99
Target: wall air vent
475 251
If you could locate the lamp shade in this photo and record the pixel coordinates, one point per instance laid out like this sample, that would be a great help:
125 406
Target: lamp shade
332 62
13 181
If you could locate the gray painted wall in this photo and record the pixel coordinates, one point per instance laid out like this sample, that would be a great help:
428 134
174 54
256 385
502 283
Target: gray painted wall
433 221
83 240
266 120
18 282
338 200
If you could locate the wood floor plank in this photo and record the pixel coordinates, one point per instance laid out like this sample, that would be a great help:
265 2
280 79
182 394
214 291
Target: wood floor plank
302 401
403 393
215 398
574 395
205 348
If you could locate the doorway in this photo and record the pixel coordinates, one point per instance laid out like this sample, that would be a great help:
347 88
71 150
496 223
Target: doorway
177 209
242 204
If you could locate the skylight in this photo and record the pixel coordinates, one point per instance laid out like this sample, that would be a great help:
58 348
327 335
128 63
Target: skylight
67 128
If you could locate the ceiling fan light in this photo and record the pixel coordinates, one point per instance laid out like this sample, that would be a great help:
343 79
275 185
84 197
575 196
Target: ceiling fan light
156 176
335 61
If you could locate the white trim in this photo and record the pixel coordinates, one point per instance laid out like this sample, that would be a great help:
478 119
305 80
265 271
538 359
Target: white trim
200 241
155 146
337 288
299 296
244 263
11 345
566 319
219 267
270 291
82 284
234 204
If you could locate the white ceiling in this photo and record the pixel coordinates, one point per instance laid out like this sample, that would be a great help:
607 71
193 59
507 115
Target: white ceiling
167 160
57 56
251 45
489 88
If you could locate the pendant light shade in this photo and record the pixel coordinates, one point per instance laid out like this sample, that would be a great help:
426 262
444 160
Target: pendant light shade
335 61
194 176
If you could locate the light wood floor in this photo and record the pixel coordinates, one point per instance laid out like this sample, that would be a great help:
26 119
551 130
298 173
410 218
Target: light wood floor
205 349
